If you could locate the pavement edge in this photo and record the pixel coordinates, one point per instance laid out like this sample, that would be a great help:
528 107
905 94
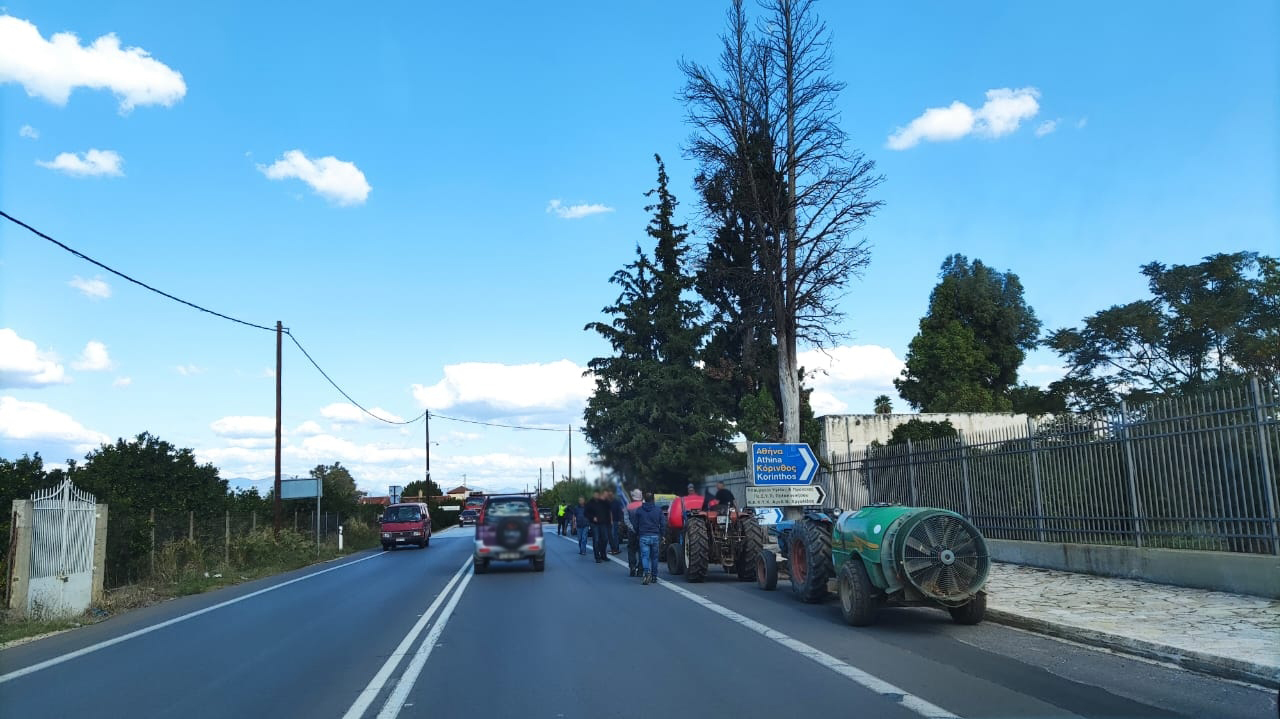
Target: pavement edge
1219 666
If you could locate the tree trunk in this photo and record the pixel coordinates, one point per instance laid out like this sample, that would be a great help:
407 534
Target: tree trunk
788 373
789 384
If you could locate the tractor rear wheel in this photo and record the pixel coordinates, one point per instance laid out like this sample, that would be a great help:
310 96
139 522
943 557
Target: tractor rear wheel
697 549
749 552
857 595
675 559
810 560
971 613
767 570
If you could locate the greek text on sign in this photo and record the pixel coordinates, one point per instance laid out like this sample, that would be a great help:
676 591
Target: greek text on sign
782 464
786 495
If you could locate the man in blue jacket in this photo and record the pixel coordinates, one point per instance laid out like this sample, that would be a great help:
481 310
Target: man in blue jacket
581 526
648 521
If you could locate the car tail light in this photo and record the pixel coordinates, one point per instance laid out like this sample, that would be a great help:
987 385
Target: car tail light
534 547
484 550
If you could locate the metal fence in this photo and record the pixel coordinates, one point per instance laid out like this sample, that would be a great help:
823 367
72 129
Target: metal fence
1195 472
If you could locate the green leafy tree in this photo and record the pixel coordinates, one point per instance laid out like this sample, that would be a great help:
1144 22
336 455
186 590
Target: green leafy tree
422 488
883 405
918 430
1217 319
652 417
339 488
976 334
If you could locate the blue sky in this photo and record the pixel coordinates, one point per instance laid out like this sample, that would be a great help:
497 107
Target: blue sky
428 260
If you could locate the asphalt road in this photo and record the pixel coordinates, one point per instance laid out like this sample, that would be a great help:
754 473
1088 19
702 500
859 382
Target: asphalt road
414 633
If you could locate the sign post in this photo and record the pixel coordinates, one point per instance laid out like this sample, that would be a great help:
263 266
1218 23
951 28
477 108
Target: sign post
304 489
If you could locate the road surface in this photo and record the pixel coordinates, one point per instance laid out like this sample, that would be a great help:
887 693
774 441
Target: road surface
413 633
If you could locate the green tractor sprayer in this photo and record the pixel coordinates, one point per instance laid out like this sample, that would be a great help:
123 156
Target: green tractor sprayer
882 556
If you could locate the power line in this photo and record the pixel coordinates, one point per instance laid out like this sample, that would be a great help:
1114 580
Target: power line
343 392
499 424
123 276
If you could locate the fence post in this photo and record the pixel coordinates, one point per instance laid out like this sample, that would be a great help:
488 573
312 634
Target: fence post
1130 472
226 537
1035 475
964 473
153 542
911 472
1268 494
191 526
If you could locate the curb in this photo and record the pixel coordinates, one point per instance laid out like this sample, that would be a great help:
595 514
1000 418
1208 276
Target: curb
1212 664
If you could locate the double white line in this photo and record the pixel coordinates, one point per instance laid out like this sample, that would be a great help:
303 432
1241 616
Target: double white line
400 693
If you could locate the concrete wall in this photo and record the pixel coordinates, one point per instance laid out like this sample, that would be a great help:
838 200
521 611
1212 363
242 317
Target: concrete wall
20 550
99 554
1220 571
844 434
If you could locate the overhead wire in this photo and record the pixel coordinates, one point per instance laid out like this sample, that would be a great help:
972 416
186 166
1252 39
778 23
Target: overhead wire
292 337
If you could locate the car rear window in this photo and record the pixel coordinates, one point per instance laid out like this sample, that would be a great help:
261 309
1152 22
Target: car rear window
501 508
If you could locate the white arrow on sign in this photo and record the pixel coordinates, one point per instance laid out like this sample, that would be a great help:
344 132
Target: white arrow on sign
786 495
810 465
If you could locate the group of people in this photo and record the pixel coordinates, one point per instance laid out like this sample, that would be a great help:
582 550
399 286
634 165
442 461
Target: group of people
602 517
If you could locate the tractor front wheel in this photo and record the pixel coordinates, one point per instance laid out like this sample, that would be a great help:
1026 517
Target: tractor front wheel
971 613
697 549
749 552
810 560
675 559
767 570
857 596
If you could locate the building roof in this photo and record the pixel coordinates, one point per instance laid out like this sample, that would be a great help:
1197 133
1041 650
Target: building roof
463 489
376 500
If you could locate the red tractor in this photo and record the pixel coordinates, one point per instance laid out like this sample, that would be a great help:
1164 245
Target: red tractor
698 538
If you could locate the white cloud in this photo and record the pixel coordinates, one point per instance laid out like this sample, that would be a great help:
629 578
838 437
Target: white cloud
95 288
29 132
574 212
22 364
1082 122
34 421
187 370
1000 115
241 427
308 428
122 382
1046 127
343 413
848 377
51 69
489 389
337 181
93 358
94 163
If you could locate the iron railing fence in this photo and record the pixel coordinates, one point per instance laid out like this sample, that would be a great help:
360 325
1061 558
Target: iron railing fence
1201 471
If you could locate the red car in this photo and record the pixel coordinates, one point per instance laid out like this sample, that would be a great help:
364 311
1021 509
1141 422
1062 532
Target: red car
508 530
405 524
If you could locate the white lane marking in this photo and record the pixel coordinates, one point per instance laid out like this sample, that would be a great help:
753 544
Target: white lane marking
396 701
170 622
875 684
366 697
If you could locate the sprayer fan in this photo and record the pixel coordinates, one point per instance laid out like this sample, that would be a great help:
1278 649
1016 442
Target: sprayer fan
946 558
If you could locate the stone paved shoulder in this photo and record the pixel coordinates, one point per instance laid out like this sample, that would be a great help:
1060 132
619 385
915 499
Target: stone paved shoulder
1231 635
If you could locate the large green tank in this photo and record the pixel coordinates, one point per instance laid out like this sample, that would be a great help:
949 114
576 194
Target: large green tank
911 556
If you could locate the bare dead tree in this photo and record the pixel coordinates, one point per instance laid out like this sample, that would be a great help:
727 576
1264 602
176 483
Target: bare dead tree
768 120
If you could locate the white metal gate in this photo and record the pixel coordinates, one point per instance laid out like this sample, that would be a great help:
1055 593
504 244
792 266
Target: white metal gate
63 523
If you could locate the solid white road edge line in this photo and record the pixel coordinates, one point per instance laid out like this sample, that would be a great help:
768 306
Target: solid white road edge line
147 630
875 684
404 685
379 681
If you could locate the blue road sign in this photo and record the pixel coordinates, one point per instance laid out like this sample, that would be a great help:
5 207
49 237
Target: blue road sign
782 464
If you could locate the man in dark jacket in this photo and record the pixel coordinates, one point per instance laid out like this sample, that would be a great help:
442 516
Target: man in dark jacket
615 521
633 539
648 521
578 520
598 513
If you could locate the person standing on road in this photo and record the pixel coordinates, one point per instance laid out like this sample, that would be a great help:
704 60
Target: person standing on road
598 514
560 518
616 514
648 522
633 539
580 524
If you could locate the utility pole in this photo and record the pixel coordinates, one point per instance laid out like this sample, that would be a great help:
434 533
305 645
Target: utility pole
279 347
570 453
426 422
553 472
539 480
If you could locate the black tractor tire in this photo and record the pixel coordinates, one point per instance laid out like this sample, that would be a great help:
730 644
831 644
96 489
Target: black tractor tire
675 559
972 612
767 570
858 597
810 560
539 565
749 552
697 549
480 566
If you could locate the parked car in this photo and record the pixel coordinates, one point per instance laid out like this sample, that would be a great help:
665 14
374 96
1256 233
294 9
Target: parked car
508 530
404 524
468 516
544 514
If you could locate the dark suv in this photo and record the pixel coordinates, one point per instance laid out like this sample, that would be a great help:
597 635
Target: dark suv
508 530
